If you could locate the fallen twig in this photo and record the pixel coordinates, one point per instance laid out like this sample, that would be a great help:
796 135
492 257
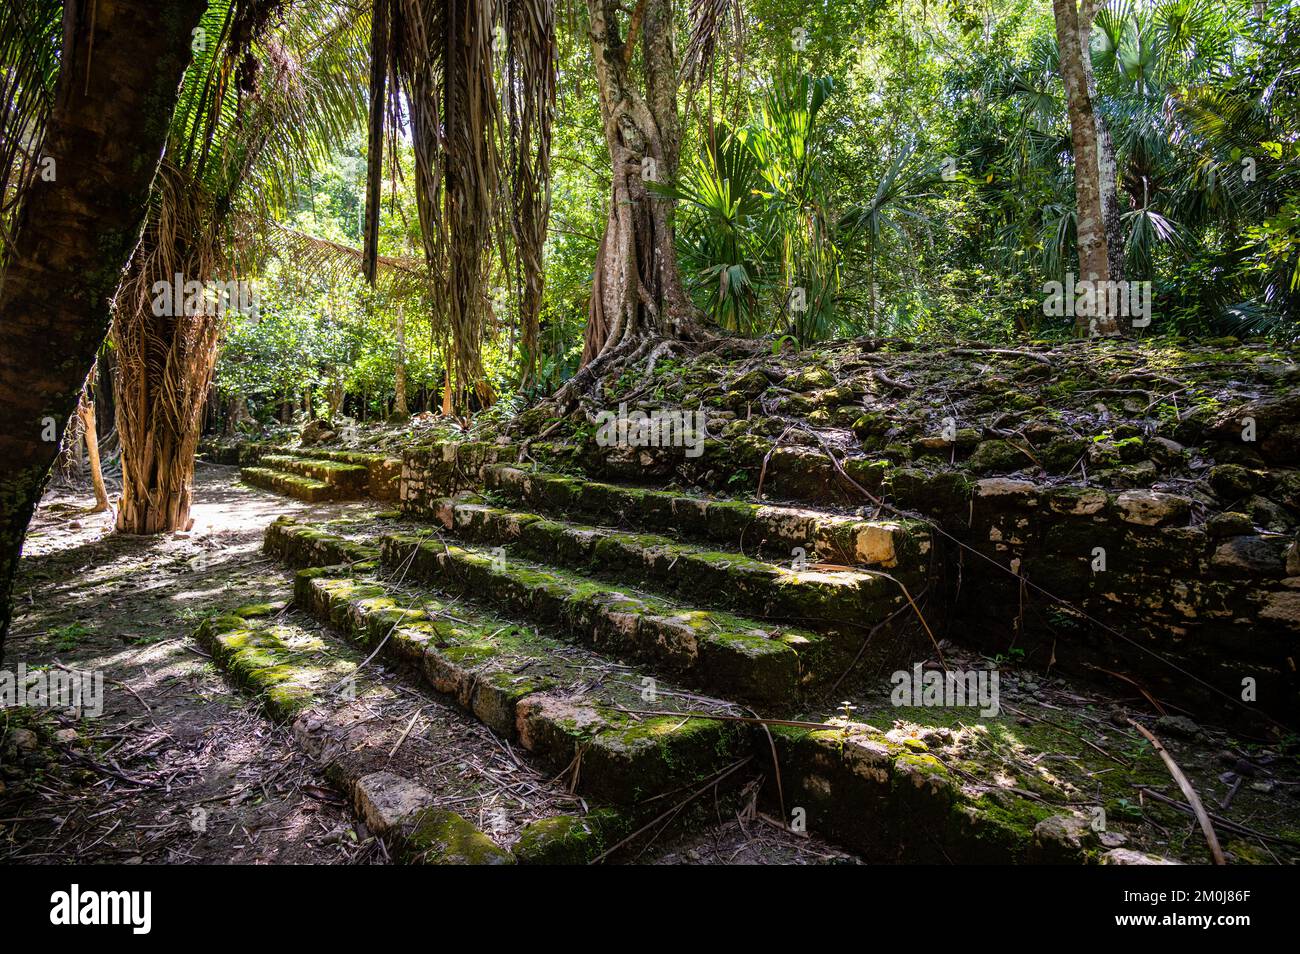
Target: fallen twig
409 726
1188 792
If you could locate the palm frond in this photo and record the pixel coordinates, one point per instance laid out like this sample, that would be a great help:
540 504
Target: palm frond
31 34
336 261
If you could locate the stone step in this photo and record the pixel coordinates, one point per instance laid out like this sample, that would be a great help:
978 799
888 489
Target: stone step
880 792
358 727
286 668
764 663
954 782
341 456
322 544
900 546
575 712
856 785
729 580
348 479
383 470
774 664
291 485
889 789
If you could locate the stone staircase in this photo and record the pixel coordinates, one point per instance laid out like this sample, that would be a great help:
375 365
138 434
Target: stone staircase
645 646
315 475
357 720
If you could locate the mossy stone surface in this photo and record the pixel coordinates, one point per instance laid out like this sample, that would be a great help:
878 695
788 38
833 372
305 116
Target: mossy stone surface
442 837
568 839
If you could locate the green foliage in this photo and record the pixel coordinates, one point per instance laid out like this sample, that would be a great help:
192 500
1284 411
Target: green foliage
910 171
759 240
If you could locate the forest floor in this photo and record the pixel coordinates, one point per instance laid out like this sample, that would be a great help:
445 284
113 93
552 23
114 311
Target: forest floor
183 768
179 767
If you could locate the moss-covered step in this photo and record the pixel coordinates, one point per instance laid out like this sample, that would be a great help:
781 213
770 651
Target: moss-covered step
765 663
439 836
291 485
570 839
707 577
216 451
305 678
236 452
285 667
900 546
383 471
967 782
574 711
341 456
348 480
896 802
301 544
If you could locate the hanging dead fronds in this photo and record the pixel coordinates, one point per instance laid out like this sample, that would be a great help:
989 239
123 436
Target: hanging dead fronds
253 109
166 348
530 75
479 84
708 19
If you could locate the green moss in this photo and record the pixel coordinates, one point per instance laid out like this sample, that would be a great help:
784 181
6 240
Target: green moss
997 456
254 610
279 664
810 379
441 837
916 489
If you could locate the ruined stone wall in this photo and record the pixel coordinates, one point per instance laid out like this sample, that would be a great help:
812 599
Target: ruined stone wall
433 471
1125 585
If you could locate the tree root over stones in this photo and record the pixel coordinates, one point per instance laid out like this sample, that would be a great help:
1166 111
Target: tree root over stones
583 392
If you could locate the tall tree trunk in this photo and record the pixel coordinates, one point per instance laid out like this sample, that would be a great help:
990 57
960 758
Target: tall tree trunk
1073 30
399 378
637 290
375 134
1107 176
106 131
90 434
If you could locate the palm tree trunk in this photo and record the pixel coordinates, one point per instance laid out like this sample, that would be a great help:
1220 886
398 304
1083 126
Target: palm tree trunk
165 360
375 134
107 128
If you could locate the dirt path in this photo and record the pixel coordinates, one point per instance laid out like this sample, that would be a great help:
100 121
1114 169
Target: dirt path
179 767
